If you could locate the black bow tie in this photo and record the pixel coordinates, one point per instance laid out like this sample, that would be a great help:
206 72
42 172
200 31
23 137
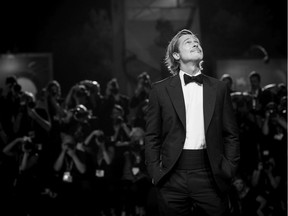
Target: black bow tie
198 79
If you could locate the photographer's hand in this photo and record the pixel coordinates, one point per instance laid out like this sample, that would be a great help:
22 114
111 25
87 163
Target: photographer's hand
89 137
256 174
81 167
268 170
60 160
31 112
26 139
282 122
71 152
25 149
45 124
274 180
64 147
28 160
139 89
100 143
8 149
126 128
98 133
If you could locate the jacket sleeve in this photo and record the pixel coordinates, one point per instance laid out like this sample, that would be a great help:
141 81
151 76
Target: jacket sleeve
153 134
230 133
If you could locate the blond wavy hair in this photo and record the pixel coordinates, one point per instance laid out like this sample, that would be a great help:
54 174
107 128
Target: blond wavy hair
171 63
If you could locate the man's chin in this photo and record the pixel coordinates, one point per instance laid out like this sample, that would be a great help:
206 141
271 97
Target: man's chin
198 60
197 57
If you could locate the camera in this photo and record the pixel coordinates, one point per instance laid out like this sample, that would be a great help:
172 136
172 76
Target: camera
272 112
271 107
70 145
265 159
119 120
17 88
81 91
100 138
267 165
29 144
144 79
80 112
27 101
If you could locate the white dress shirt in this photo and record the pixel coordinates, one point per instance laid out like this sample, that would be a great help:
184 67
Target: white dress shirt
193 97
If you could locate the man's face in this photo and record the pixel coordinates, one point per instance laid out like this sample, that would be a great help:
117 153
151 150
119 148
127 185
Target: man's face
238 184
55 91
255 83
228 82
189 49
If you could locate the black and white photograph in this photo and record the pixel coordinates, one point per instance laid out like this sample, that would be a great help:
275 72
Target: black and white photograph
143 108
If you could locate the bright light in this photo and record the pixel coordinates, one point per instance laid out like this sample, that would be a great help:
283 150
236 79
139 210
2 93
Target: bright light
10 64
27 85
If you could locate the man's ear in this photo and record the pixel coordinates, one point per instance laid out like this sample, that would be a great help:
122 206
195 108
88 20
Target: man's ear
176 56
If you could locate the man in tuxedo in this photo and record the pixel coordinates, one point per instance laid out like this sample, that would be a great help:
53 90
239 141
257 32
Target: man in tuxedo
191 140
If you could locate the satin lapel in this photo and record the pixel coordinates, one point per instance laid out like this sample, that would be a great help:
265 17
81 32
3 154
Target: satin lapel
209 98
176 95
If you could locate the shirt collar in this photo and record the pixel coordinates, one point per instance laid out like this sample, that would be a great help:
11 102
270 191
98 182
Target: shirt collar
181 74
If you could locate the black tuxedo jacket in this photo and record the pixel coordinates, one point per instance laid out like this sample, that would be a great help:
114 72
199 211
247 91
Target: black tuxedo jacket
166 128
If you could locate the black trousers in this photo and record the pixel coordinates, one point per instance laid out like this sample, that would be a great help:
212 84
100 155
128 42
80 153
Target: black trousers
190 190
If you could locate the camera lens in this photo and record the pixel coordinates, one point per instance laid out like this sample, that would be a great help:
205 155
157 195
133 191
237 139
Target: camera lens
101 138
70 145
28 145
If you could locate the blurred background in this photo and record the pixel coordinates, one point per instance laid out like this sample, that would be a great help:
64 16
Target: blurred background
97 40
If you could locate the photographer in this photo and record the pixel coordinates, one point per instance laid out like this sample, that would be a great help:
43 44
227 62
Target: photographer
245 200
139 100
51 100
10 100
267 167
121 129
250 131
268 181
135 181
120 139
29 117
27 180
256 92
113 97
28 149
274 130
68 158
275 116
78 94
70 167
95 97
275 143
79 122
54 101
101 155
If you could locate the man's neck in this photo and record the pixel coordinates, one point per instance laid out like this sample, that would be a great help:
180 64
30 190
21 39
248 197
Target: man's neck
191 69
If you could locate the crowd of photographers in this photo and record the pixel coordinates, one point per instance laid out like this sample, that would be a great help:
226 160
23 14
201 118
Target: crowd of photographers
83 154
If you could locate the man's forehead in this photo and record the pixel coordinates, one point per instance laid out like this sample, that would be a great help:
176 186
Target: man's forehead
188 36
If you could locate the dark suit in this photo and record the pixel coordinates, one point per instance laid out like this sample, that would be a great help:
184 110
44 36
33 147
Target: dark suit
165 129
